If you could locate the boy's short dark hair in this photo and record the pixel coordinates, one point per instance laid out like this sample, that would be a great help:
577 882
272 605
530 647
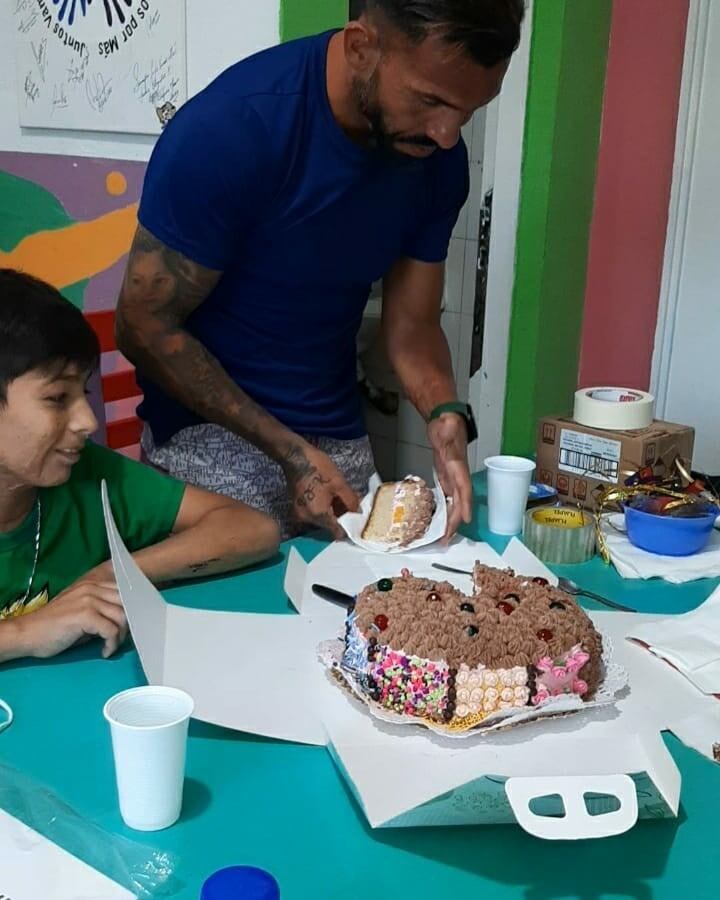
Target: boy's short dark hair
40 330
487 30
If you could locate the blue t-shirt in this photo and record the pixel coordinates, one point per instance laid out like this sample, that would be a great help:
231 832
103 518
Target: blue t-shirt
255 177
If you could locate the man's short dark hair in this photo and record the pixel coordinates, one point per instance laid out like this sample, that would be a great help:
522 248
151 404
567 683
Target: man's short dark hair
487 30
40 330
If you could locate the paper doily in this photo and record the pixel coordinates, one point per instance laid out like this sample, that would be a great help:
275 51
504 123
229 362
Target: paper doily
616 679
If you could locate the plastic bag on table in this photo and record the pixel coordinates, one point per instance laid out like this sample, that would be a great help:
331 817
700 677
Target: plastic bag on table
143 870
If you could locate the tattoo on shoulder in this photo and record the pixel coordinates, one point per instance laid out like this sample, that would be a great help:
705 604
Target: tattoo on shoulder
163 279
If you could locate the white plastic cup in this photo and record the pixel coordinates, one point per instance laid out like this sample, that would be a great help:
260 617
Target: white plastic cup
508 480
149 727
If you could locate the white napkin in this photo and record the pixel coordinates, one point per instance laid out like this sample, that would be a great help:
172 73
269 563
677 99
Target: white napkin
632 562
690 642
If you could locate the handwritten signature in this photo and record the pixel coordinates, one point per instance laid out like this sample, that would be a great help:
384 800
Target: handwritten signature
76 70
159 83
20 5
25 25
41 57
153 20
98 91
60 100
32 91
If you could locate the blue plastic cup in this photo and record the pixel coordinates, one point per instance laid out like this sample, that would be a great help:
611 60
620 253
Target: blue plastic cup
241 883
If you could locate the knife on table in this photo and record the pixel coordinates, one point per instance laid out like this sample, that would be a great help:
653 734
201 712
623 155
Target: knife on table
337 597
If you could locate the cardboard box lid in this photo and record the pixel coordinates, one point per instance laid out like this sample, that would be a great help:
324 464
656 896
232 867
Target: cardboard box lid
657 429
287 694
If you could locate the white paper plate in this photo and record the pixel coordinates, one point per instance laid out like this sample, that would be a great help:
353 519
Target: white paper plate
354 523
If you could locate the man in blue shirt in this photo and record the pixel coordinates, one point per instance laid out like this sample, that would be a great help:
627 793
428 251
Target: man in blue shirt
272 201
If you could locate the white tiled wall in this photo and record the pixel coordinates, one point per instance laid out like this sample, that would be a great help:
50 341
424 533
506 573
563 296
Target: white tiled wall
400 442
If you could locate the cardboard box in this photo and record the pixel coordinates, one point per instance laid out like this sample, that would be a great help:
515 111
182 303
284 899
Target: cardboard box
404 776
576 459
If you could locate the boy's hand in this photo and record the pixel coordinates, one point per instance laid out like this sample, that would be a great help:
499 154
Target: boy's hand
88 608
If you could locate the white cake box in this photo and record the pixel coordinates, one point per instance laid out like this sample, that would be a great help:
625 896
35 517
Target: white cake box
614 756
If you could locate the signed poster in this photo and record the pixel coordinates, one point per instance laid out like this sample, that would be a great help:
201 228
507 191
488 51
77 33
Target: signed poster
100 65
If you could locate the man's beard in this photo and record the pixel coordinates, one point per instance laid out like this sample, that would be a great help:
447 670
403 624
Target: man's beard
382 139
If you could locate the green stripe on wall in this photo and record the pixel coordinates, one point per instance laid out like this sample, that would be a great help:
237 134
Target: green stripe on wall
301 17
562 131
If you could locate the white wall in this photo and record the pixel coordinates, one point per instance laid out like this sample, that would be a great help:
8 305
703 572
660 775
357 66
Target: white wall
684 378
503 163
234 30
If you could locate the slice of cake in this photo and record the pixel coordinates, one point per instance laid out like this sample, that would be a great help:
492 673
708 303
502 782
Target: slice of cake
401 512
422 648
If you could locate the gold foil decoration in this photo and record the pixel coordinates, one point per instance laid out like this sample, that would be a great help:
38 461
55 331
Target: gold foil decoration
674 485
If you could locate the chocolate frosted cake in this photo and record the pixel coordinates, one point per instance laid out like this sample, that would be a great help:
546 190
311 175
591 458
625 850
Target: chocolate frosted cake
423 648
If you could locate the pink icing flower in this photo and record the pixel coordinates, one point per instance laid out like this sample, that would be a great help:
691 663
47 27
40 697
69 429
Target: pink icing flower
545 664
580 687
577 661
541 696
559 672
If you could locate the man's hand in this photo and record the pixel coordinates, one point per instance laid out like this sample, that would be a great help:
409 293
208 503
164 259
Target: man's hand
86 609
317 490
448 438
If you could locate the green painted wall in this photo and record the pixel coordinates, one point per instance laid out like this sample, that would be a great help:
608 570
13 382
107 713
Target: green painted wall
26 208
562 130
301 17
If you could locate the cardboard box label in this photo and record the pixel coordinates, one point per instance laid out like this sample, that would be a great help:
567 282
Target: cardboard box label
589 454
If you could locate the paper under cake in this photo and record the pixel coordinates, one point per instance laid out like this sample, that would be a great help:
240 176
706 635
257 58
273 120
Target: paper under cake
401 512
422 648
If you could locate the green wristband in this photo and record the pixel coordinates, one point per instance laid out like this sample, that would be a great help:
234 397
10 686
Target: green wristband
461 409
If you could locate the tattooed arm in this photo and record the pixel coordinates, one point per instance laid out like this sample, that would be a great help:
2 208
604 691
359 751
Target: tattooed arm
160 290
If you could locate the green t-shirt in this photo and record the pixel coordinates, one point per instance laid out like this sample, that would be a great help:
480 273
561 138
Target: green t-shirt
145 504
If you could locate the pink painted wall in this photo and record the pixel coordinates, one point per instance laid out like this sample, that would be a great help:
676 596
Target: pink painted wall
632 192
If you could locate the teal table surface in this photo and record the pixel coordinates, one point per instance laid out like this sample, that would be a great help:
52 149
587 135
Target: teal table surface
285 808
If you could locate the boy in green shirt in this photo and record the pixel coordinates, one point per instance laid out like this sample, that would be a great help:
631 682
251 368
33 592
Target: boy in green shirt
53 545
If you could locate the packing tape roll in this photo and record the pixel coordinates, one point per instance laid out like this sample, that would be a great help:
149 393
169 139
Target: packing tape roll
560 535
612 408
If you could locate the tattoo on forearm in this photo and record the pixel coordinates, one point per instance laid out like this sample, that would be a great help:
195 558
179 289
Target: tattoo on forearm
296 463
308 494
299 468
197 568
160 290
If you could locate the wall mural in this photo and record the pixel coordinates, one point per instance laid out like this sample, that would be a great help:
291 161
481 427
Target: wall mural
69 221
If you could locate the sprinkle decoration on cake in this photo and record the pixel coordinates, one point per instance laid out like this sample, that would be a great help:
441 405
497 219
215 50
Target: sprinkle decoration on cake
401 512
422 648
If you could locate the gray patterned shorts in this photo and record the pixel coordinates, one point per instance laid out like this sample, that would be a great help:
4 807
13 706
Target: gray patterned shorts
213 458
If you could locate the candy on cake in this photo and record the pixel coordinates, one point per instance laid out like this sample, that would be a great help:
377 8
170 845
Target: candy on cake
401 512
423 648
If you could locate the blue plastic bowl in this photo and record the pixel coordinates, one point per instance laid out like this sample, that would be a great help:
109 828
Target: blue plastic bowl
668 535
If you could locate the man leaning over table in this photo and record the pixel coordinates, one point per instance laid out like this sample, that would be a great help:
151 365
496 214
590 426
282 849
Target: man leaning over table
272 201
56 584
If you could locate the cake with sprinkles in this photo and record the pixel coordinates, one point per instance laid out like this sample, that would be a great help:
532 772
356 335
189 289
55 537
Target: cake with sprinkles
423 648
